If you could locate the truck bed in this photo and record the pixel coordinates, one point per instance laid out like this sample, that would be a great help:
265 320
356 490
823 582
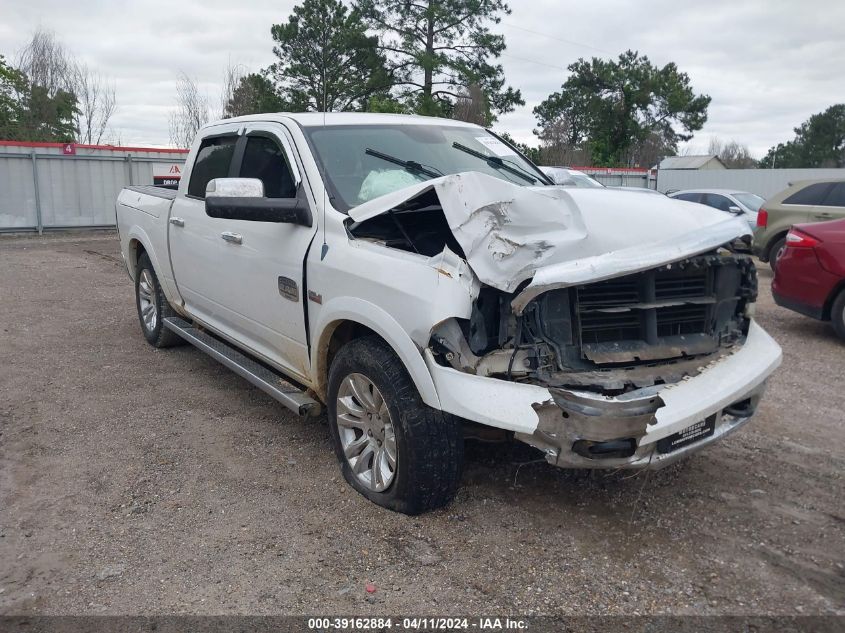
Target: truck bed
154 190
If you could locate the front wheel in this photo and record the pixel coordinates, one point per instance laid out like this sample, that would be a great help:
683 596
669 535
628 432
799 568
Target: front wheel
393 448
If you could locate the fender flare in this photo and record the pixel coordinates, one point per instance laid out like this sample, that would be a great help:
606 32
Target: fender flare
340 309
136 233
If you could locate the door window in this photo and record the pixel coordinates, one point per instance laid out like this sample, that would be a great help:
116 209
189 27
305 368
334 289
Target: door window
265 160
811 194
213 160
836 196
688 197
716 201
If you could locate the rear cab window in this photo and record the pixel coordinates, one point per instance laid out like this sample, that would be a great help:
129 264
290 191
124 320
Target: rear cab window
214 158
811 194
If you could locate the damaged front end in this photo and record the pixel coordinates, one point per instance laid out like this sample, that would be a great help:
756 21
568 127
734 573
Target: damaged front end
613 349
605 350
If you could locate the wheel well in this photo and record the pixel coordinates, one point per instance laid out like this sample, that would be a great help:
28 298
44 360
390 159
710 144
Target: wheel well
828 304
334 337
767 252
136 249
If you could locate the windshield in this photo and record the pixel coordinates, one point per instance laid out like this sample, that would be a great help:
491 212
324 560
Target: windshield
362 162
750 200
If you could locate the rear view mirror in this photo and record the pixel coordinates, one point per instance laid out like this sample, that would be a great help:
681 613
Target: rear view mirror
243 199
735 210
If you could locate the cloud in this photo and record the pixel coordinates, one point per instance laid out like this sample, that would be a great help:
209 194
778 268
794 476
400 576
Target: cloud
768 64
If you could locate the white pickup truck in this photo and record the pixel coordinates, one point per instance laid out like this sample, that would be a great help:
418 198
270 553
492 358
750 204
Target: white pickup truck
427 283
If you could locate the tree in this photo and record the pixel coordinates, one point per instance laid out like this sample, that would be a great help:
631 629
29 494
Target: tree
818 142
190 114
562 144
648 152
385 103
254 94
472 106
231 81
327 62
732 154
13 84
96 104
613 105
66 100
437 49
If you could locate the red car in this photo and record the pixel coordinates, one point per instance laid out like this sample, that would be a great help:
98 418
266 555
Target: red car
810 274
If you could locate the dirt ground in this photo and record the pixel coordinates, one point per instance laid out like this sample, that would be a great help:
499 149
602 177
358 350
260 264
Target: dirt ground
137 481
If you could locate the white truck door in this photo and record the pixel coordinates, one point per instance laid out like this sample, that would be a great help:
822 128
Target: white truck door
194 237
260 279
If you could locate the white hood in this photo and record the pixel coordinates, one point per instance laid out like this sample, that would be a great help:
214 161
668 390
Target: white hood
562 236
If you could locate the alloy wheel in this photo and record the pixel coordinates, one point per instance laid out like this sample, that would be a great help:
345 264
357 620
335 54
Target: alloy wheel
366 432
146 300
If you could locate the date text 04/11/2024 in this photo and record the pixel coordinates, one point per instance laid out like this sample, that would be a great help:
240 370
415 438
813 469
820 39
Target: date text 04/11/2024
418 624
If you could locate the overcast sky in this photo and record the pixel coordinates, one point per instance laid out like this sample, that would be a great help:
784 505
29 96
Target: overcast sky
768 64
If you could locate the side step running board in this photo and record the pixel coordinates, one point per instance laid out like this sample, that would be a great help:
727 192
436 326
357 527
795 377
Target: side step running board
268 381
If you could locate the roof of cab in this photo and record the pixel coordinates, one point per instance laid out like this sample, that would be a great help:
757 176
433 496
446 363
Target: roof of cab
319 119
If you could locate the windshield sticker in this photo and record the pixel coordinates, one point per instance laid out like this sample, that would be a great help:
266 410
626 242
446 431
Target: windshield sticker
495 145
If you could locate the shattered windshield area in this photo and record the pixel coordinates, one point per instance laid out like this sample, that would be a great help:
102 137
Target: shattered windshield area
362 162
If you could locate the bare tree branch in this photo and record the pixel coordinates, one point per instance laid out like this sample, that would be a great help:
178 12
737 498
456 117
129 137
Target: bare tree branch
96 101
190 114
231 81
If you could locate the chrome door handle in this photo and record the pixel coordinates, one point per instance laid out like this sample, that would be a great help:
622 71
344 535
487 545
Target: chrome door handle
234 238
177 221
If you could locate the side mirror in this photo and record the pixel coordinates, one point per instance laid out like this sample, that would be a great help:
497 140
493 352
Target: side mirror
234 188
735 210
243 199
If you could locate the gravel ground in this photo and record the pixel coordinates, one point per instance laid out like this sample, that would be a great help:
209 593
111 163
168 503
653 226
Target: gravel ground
137 481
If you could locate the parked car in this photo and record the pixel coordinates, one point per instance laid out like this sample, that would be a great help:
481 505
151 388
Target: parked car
810 275
422 280
802 202
567 177
737 202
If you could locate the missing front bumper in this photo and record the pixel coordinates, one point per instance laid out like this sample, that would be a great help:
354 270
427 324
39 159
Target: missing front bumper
536 414
572 435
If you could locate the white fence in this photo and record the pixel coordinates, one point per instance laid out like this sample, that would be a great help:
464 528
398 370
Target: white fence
621 176
764 182
52 186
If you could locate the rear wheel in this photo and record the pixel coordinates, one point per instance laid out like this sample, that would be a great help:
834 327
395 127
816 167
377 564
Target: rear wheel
393 448
837 314
775 252
152 306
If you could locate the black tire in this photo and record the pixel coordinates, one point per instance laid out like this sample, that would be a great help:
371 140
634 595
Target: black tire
837 314
775 252
157 335
429 443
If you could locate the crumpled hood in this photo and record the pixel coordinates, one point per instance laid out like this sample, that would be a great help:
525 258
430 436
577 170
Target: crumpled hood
561 236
